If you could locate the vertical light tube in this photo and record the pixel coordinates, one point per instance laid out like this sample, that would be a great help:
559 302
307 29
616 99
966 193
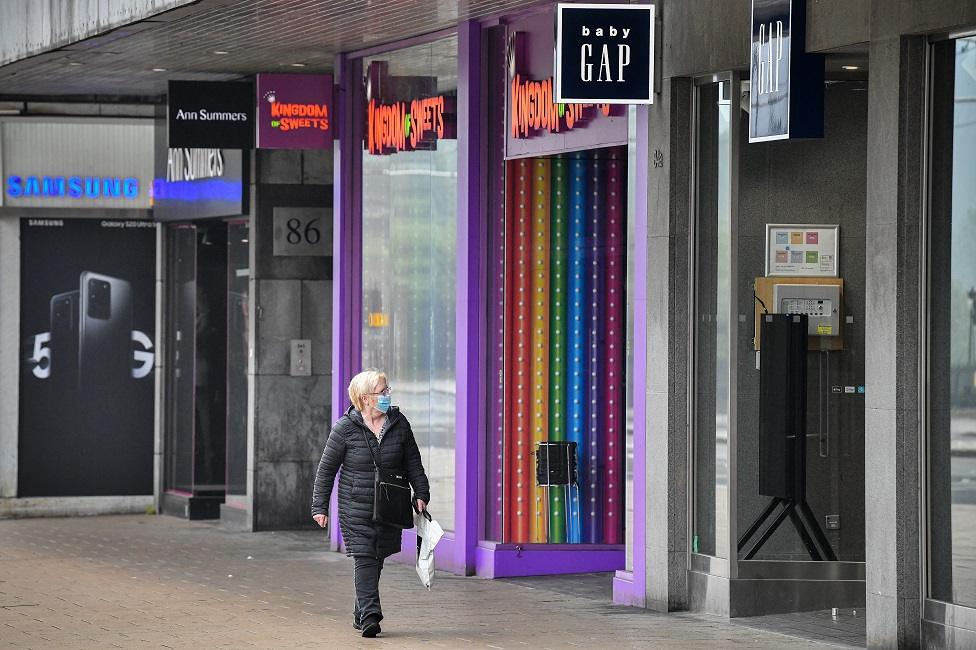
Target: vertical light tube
593 319
576 359
613 352
507 460
541 179
558 314
522 342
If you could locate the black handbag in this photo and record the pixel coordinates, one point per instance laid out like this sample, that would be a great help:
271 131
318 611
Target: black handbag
391 495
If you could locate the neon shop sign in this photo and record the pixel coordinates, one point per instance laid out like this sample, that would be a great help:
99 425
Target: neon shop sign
533 109
72 187
400 126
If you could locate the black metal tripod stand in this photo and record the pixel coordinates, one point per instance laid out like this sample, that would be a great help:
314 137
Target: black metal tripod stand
803 521
783 437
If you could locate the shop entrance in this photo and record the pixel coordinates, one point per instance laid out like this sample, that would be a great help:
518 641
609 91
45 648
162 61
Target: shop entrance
206 394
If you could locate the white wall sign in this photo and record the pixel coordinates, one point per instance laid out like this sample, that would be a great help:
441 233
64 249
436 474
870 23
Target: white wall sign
303 231
802 250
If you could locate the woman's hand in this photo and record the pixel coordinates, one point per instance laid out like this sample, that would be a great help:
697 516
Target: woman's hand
421 505
321 520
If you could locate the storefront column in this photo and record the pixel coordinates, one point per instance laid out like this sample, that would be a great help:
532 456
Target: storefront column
347 246
892 430
471 324
666 455
9 353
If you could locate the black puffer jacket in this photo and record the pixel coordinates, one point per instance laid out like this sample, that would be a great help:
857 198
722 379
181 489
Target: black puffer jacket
346 447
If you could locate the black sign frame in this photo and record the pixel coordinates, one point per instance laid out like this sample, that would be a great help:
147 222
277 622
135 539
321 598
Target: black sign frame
781 110
211 114
570 18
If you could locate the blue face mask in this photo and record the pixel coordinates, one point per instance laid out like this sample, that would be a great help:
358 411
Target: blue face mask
383 403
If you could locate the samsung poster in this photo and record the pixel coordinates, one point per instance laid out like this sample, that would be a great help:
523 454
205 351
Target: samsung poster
87 331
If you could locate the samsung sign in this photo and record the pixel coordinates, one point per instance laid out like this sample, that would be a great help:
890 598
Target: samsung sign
604 54
72 187
786 93
75 162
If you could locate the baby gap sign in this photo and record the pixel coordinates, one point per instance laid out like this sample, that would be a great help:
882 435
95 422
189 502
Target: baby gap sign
604 53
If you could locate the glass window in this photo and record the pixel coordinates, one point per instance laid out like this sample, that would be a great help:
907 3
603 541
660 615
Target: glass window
237 328
409 246
713 295
182 299
952 325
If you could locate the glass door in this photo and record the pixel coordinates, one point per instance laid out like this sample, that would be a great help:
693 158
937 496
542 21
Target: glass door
712 302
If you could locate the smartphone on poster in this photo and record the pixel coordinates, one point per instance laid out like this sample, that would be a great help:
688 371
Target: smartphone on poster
105 332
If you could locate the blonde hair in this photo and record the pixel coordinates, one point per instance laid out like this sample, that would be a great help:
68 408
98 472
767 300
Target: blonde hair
363 384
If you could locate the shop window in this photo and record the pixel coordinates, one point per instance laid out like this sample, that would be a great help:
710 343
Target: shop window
952 325
237 328
409 217
564 276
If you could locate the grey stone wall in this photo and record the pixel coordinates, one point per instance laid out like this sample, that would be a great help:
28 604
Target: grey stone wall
292 299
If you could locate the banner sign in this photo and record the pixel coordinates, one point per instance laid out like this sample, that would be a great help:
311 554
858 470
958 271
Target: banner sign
786 94
198 183
87 394
605 53
536 124
295 111
76 163
211 114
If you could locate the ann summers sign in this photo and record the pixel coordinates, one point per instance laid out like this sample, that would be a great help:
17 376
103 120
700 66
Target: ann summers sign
786 84
605 53
211 114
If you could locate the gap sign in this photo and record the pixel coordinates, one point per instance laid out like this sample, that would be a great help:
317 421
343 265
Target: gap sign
604 54
786 94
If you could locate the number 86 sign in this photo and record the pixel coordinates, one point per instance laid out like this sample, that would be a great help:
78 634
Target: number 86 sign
303 231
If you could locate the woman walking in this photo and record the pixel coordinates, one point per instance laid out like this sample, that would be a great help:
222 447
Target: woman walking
370 429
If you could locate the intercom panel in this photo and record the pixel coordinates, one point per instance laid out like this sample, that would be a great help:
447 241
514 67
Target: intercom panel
821 302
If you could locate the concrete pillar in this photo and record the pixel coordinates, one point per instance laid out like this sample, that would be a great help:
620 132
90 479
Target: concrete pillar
9 353
892 425
666 489
291 298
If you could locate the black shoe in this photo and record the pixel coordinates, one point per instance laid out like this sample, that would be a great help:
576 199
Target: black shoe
356 625
371 627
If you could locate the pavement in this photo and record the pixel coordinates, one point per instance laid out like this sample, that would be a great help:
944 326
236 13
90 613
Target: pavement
161 582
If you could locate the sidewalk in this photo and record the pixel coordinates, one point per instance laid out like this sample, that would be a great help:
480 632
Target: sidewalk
160 582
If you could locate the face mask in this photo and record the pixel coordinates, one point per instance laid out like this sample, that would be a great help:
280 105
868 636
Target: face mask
383 403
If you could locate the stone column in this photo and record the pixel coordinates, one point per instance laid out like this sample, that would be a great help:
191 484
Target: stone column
666 488
291 298
892 416
9 353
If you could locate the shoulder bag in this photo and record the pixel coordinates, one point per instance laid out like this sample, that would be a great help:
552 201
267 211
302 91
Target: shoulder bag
391 494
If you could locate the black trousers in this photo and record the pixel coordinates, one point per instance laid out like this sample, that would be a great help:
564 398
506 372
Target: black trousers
367 578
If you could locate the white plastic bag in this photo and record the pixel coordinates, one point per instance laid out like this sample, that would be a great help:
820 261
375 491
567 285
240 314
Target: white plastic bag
429 532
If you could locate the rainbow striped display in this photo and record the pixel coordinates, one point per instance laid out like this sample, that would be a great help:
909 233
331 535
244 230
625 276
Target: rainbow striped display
564 332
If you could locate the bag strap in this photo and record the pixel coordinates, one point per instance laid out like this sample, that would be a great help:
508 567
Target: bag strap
370 448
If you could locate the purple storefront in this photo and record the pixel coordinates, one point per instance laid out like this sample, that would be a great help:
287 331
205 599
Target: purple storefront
485 256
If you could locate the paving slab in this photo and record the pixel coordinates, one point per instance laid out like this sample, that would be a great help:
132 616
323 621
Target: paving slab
142 581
